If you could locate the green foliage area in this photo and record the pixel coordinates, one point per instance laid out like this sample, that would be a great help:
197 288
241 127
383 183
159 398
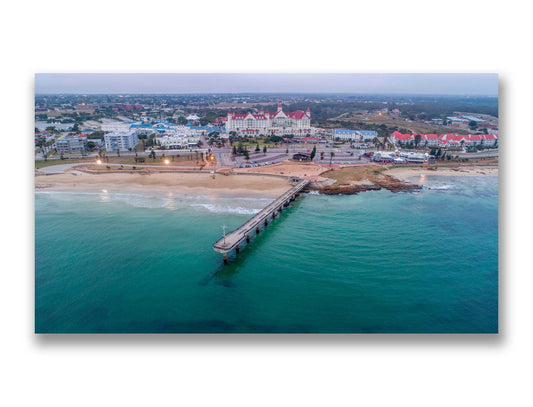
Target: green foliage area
96 135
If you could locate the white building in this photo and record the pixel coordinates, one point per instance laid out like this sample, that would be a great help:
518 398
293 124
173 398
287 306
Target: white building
71 145
192 118
277 123
354 135
415 158
123 140
176 142
384 156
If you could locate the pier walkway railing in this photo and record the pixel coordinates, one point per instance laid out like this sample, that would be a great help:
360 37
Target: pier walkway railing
231 240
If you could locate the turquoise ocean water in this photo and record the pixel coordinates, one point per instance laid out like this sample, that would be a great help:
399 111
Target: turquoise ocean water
376 262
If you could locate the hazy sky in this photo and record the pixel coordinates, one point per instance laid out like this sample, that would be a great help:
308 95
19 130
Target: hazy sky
445 84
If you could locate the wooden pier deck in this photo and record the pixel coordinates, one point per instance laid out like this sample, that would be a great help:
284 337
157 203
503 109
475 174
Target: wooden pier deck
231 240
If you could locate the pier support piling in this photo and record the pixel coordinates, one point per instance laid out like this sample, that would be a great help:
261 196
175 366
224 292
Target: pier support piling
271 211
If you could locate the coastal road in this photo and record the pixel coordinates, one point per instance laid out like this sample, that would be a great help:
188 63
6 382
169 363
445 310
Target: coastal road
222 157
483 154
64 167
58 168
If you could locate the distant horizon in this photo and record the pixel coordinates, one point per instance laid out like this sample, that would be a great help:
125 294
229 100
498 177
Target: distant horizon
422 84
264 93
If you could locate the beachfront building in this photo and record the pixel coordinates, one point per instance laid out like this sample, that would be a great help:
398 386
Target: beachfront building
415 158
384 156
278 123
71 144
121 140
400 157
429 140
165 128
353 135
178 142
445 140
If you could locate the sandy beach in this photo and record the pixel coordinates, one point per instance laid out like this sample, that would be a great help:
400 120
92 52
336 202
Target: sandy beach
309 171
185 183
409 173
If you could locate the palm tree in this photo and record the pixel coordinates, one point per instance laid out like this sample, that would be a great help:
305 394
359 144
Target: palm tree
331 155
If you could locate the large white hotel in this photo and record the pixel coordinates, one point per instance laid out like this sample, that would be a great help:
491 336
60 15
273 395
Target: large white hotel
265 123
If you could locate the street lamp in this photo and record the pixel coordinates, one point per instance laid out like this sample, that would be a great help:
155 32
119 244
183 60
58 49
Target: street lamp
98 161
166 161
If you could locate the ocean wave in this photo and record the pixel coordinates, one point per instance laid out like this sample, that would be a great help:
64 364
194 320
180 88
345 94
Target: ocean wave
170 201
313 193
438 187
139 201
227 209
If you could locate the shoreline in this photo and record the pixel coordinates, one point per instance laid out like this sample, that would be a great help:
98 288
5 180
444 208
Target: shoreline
347 180
176 183
409 173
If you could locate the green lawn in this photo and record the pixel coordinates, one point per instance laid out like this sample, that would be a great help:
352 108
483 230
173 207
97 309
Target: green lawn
159 160
48 163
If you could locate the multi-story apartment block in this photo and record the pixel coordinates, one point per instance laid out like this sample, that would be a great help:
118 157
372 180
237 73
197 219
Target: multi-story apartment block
121 140
71 145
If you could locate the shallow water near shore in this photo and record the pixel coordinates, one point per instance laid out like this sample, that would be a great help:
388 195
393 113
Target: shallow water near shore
377 262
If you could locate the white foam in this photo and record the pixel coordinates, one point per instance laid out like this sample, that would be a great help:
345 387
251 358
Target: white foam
438 187
227 209
139 201
245 205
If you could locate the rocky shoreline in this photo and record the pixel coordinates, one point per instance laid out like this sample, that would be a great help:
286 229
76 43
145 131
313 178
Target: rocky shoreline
386 182
361 183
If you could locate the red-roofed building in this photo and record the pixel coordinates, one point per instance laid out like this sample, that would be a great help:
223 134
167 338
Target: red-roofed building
220 120
400 138
490 139
278 123
429 140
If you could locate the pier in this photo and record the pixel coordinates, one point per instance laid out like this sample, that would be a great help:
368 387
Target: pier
231 240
